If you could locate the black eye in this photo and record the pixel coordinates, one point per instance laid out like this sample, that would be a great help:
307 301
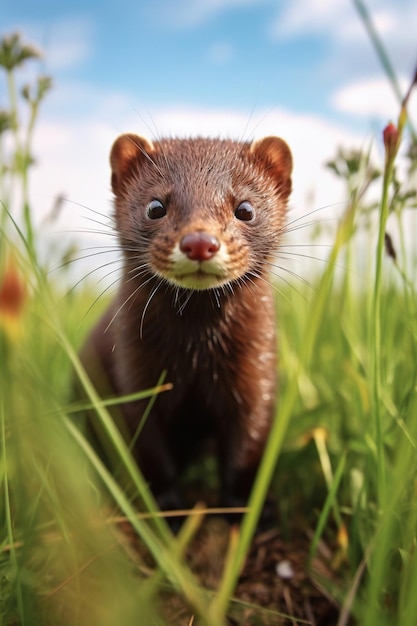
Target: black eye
245 212
155 210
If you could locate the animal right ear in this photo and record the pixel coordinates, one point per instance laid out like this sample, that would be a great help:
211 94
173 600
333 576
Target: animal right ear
275 154
126 151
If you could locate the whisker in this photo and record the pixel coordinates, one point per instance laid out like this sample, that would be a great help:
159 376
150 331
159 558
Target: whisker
93 271
84 206
90 255
259 122
84 231
145 308
101 278
292 256
140 271
154 132
217 298
305 245
293 274
242 138
99 222
120 308
148 157
294 229
184 304
289 284
322 208
101 294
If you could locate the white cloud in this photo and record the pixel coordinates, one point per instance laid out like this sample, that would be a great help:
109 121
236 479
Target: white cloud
341 20
313 16
372 97
340 27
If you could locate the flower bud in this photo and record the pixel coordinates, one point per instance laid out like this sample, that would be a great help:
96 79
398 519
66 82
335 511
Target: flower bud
391 140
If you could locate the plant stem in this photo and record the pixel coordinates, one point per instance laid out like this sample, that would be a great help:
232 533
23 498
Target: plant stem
383 57
22 154
26 155
375 325
380 50
13 105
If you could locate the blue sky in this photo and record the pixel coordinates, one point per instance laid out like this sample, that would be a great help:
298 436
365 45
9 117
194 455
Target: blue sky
240 54
302 69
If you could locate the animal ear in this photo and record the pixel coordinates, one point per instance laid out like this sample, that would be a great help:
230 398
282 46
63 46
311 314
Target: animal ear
126 151
276 156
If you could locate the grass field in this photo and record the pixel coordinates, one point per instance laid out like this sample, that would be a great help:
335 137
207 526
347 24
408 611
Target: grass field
341 460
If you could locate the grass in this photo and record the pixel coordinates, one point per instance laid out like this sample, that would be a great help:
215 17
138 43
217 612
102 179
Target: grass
341 459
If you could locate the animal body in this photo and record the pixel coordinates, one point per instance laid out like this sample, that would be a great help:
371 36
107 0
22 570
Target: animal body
198 222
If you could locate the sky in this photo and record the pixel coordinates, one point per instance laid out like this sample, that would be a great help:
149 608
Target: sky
303 69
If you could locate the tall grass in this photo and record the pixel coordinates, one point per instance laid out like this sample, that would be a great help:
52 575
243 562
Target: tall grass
341 458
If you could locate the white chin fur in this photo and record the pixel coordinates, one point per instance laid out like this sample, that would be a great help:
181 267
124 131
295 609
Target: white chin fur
198 275
197 281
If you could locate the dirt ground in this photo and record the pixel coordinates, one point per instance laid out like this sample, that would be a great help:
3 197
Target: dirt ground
275 587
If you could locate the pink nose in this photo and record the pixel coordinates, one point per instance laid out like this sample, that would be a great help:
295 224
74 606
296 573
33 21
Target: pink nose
199 246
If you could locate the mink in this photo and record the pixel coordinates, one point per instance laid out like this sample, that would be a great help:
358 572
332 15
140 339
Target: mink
198 223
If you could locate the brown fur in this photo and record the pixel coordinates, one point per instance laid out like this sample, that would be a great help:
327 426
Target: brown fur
217 344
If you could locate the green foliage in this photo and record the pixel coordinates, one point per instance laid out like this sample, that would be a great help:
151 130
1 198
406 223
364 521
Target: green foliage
15 166
341 457
13 53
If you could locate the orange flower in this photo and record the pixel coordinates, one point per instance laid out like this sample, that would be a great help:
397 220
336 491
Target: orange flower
12 298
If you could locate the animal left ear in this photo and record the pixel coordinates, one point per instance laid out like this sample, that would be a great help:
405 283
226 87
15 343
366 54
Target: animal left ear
128 151
276 156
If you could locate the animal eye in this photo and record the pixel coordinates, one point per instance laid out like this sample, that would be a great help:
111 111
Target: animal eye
155 210
245 212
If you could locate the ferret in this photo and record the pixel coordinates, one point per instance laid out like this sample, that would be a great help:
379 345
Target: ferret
198 222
